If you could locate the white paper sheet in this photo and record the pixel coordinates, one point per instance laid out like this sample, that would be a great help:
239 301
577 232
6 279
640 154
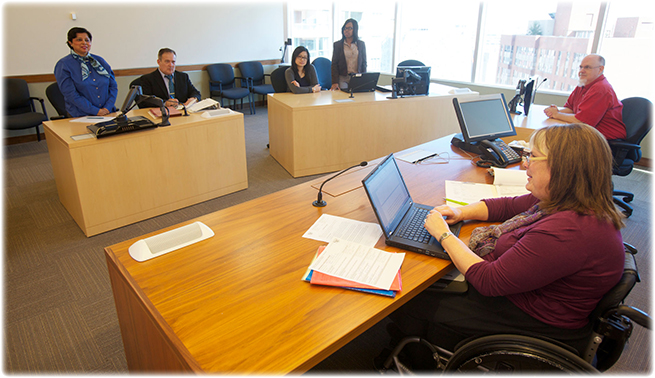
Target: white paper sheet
359 263
92 119
328 227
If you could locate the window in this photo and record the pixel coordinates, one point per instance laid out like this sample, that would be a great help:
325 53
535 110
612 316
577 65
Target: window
628 42
311 26
439 35
540 33
516 40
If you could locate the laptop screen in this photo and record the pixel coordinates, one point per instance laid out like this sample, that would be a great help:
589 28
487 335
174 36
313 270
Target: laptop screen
388 194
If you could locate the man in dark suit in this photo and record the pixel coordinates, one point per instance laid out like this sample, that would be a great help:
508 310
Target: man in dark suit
172 86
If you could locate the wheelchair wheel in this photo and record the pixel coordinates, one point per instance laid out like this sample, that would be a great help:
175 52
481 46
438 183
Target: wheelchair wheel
508 353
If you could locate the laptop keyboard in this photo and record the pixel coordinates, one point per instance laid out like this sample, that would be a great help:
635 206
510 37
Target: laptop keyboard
413 229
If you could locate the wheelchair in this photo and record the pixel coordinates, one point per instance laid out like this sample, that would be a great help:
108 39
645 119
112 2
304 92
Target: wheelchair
612 324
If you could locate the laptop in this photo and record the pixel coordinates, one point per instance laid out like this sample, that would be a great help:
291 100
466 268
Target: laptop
362 82
399 216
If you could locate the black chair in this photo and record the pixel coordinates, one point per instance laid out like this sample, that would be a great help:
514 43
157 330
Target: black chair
411 63
323 68
57 100
20 112
137 82
222 84
255 77
278 80
637 117
611 323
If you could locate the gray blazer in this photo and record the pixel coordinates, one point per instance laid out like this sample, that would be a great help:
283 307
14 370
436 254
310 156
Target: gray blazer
310 74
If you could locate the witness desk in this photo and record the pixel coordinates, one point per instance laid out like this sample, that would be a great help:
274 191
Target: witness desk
235 303
118 180
328 131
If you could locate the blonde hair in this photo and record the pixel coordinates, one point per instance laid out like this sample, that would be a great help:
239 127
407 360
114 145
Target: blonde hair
580 163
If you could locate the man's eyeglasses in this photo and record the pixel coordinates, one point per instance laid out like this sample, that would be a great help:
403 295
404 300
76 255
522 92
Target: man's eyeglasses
587 68
527 159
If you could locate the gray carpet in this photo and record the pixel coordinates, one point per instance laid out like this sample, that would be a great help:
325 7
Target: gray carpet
59 314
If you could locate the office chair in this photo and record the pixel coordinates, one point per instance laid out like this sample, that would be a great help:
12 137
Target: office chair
611 322
56 98
256 80
637 117
323 68
222 83
409 63
278 80
20 112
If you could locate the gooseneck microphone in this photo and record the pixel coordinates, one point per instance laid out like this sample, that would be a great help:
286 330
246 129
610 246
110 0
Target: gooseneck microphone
319 200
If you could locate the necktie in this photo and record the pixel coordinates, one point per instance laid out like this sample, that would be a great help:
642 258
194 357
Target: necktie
171 85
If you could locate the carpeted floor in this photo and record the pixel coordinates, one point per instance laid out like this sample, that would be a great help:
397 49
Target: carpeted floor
59 315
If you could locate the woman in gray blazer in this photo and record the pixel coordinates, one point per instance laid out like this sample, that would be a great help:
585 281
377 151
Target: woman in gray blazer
301 76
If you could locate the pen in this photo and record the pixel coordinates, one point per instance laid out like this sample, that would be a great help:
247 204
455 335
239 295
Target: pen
457 202
425 158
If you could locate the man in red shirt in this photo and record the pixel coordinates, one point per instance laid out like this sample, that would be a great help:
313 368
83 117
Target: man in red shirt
593 102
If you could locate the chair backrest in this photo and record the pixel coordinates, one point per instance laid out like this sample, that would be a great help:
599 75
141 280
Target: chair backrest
56 98
252 70
222 72
17 97
323 68
278 80
136 82
637 117
410 62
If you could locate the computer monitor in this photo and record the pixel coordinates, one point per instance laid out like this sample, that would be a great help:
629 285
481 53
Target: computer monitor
134 91
412 80
529 96
484 118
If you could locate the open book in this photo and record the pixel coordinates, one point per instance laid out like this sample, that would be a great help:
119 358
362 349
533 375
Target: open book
507 183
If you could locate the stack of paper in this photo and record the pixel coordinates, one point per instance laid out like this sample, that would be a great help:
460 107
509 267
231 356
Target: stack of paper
507 183
356 267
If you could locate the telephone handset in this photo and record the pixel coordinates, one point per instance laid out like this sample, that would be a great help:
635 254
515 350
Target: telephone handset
498 153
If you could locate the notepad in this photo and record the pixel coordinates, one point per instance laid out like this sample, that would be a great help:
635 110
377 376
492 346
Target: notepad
507 183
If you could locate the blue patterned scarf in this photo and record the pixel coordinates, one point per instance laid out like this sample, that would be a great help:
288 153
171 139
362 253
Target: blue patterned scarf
85 68
483 239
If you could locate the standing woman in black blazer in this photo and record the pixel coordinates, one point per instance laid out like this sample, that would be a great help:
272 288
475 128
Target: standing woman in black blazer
348 55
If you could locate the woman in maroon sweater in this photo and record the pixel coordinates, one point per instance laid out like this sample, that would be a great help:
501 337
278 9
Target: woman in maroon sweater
544 269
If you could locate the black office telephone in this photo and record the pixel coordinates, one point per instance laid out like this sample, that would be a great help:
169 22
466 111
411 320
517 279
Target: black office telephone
497 153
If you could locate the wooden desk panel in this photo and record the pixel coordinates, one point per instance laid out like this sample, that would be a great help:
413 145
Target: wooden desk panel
118 180
235 303
328 131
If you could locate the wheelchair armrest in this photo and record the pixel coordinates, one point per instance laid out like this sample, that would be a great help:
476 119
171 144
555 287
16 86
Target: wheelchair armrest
636 315
629 248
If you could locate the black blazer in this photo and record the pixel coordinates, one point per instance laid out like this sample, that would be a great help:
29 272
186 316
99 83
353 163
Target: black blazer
153 84
339 65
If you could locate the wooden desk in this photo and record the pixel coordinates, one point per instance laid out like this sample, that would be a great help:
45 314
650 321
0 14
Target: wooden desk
111 182
327 131
235 303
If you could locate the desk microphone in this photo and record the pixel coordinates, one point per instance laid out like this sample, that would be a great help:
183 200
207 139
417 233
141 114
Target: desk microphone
319 200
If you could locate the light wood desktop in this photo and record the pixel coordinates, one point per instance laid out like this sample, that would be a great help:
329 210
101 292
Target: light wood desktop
328 131
118 180
235 303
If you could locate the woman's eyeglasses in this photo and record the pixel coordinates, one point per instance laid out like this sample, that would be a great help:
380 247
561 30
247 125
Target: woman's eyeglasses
529 158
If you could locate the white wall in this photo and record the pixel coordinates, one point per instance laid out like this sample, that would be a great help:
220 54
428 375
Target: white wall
130 35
